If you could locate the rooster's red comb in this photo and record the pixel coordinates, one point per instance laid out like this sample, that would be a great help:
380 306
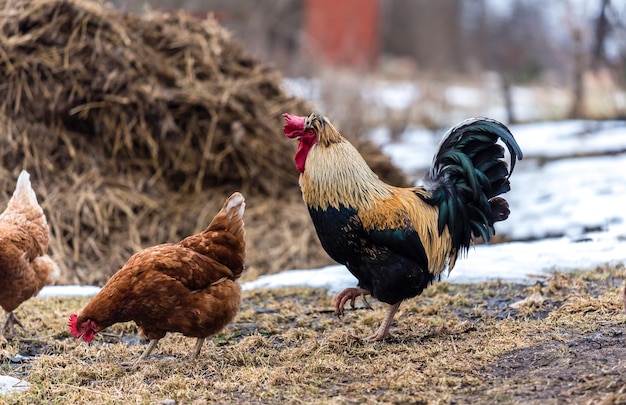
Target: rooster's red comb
294 125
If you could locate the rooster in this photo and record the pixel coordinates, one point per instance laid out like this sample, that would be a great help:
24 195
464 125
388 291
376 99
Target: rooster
188 287
396 241
25 268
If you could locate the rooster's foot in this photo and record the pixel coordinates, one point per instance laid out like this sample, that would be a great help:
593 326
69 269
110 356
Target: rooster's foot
383 331
378 337
350 294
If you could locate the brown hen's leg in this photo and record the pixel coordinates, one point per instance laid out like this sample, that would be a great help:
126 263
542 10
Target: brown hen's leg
149 349
350 294
383 330
3 327
197 348
8 325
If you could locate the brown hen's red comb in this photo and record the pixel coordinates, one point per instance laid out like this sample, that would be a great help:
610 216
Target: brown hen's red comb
294 125
73 326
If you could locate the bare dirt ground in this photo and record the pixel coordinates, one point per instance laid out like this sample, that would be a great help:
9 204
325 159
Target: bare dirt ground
560 341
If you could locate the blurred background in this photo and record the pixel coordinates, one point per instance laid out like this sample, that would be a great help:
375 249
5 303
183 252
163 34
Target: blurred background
515 60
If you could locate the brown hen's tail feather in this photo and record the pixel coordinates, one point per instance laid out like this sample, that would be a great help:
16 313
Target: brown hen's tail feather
46 269
24 200
23 190
224 238
230 217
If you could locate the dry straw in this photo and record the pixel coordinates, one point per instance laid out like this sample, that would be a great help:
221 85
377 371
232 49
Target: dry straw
134 129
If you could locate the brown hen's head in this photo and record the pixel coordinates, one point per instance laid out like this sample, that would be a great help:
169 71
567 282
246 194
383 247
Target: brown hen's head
86 329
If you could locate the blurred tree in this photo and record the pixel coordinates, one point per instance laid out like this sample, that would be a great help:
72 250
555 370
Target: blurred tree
430 31
577 109
602 30
515 45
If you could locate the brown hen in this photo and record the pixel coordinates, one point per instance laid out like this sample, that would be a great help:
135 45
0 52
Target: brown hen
25 268
187 287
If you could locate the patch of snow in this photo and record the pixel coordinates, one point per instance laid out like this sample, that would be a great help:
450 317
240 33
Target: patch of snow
334 278
466 97
566 197
12 384
68 291
395 95
413 151
307 89
524 261
570 138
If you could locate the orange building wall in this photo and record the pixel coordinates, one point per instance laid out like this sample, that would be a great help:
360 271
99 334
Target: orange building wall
343 32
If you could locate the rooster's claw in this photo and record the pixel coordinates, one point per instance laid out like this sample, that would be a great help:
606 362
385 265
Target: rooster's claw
350 294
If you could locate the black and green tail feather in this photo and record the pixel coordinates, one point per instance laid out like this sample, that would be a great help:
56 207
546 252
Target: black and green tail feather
468 175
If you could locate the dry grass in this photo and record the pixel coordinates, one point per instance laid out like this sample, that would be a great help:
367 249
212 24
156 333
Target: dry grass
454 344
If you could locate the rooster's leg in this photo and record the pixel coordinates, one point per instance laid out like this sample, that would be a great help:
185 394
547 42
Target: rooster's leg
350 294
383 330
197 348
149 349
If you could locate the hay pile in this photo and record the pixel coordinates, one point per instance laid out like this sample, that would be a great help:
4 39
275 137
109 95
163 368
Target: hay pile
135 128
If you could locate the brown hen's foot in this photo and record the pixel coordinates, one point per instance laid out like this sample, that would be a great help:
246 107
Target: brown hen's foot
8 324
383 331
350 294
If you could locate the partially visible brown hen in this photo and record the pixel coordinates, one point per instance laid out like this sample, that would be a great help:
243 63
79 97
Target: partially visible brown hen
25 268
188 287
